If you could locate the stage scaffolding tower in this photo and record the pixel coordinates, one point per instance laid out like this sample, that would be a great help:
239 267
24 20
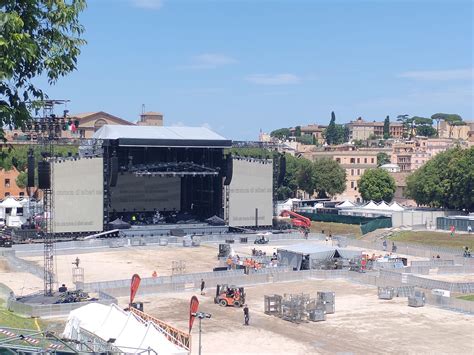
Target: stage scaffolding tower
45 131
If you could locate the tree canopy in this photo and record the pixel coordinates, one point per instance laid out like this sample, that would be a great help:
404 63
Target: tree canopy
386 128
377 185
324 176
382 158
335 133
37 37
447 180
281 133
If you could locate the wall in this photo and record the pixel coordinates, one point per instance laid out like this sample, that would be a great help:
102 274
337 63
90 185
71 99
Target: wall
418 218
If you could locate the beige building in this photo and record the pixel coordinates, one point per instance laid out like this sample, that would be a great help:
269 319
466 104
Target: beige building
150 119
363 130
455 132
90 122
355 162
313 130
411 155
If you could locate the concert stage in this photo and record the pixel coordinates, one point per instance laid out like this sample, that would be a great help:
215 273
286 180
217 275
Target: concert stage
155 175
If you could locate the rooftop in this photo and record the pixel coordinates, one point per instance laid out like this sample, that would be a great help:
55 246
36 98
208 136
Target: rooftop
162 136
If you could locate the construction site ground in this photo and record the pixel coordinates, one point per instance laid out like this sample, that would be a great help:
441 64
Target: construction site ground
361 324
121 263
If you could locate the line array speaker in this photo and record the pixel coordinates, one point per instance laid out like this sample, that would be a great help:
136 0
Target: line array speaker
229 170
44 175
31 171
113 171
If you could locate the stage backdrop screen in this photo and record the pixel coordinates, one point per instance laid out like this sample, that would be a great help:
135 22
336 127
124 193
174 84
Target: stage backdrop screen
144 193
78 195
250 193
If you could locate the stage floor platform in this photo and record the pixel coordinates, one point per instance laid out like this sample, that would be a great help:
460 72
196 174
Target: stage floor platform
174 229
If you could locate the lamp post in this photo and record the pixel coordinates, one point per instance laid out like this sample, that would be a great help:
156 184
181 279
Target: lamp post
200 316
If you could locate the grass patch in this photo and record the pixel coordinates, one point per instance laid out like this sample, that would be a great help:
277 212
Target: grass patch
11 320
335 228
467 297
435 238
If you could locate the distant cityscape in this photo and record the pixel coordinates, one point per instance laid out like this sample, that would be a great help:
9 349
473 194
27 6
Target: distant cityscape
399 150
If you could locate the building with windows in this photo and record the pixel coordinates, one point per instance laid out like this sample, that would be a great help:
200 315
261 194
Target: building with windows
354 161
314 130
8 186
364 130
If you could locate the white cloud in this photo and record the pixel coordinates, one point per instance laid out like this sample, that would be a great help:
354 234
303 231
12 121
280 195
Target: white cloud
148 4
439 75
209 61
273 79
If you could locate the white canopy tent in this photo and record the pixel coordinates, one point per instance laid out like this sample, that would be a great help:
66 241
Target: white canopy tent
10 202
132 334
396 207
345 204
370 206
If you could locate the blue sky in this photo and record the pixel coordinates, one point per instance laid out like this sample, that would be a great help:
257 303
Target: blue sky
238 66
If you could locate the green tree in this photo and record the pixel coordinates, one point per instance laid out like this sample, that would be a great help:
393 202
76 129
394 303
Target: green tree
21 180
382 158
281 133
377 185
424 126
447 180
329 177
37 37
305 139
305 176
330 133
298 131
386 128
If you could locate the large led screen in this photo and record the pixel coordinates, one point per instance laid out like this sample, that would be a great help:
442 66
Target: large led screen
78 195
250 193
146 193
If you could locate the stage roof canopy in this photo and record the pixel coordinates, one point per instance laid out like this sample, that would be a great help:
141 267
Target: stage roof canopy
162 136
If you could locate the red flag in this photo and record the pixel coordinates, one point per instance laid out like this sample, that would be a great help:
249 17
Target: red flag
134 286
193 308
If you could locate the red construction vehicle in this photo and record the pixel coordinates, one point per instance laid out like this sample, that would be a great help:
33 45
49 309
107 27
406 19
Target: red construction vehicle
229 296
297 220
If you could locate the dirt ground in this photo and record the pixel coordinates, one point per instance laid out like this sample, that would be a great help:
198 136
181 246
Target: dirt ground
122 263
450 277
362 324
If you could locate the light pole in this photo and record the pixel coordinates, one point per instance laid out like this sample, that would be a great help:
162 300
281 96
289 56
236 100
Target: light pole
200 316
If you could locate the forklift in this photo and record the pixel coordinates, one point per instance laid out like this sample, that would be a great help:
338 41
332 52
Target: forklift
229 295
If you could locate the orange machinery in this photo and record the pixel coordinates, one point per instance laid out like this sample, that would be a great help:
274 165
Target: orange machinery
297 220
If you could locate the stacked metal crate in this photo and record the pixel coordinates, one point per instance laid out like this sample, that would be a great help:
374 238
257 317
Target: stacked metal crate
386 293
272 304
326 301
417 300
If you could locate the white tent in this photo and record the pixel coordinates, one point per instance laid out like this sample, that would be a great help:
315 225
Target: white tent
396 207
345 204
370 206
132 334
383 206
10 202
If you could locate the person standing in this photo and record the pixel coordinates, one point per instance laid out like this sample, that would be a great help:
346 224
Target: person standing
246 315
384 245
203 285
